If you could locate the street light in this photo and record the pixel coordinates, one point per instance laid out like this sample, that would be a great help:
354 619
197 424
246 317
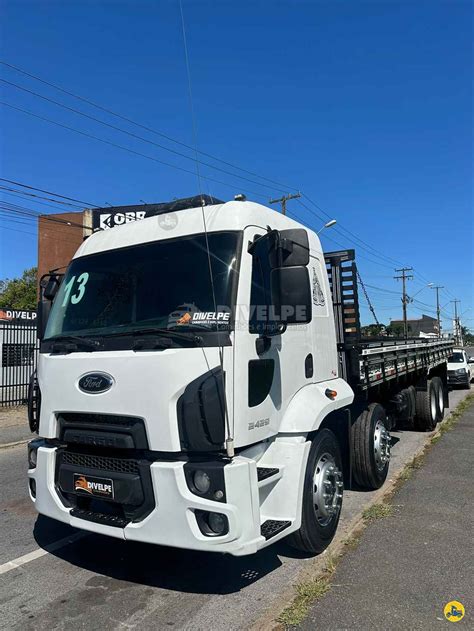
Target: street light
329 224
418 292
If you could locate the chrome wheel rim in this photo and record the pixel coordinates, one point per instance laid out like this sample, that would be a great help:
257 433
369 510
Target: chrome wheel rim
382 444
327 489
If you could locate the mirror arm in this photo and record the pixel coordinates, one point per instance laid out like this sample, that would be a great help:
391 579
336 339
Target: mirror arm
262 344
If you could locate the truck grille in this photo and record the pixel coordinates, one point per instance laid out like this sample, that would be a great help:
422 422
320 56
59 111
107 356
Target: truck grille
119 465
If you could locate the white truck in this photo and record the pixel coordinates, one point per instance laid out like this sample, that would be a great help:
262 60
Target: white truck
202 384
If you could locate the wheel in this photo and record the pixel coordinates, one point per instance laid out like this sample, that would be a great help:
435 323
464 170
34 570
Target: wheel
370 444
322 495
438 384
426 407
409 400
412 394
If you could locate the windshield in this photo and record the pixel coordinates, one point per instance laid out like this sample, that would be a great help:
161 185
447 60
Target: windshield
164 284
456 358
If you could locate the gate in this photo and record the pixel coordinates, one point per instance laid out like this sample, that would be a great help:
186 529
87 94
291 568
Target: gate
19 353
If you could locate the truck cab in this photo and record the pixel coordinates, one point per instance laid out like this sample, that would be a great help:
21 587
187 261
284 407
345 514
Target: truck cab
186 367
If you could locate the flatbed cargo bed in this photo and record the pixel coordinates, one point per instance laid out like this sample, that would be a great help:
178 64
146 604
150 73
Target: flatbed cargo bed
365 363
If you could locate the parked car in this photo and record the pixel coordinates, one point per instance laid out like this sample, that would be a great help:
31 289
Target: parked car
460 368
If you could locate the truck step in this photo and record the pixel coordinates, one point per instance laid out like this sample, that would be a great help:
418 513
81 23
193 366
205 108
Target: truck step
100 518
263 473
272 527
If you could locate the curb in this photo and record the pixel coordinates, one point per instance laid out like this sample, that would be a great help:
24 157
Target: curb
316 566
14 444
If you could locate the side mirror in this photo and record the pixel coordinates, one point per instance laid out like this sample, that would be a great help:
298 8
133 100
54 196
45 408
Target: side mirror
291 249
470 360
291 294
51 287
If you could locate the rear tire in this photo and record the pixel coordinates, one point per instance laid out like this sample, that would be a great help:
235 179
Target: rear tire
412 394
426 407
322 495
370 444
438 384
409 399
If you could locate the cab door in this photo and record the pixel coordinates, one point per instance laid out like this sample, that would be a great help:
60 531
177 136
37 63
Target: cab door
270 364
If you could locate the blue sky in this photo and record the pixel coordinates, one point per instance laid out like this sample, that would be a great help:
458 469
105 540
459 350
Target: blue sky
364 106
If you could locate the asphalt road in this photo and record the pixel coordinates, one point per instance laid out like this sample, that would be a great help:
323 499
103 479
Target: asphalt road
409 566
101 583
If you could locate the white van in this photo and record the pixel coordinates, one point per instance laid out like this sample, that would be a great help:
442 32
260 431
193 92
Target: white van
460 368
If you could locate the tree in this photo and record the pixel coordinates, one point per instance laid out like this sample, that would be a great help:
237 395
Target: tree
395 330
373 330
467 336
19 293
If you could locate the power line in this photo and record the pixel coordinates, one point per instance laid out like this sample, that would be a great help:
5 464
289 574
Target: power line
133 122
51 199
117 146
375 262
129 133
14 208
36 201
340 230
34 188
354 236
326 236
363 243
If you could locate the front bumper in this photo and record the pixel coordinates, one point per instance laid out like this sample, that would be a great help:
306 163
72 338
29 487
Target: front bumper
458 380
172 521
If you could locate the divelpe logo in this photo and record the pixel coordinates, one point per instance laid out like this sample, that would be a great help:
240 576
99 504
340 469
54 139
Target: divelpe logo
95 382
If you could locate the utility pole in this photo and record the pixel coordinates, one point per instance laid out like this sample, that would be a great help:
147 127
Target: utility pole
438 310
283 201
456 321
405 299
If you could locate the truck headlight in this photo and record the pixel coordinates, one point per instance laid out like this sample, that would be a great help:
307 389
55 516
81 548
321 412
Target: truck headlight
201 481
206 479
461 371
33 454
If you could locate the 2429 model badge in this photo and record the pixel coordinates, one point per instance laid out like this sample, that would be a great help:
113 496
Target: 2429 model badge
95 382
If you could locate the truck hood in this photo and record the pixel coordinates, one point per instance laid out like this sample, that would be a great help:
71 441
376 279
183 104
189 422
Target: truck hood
145 384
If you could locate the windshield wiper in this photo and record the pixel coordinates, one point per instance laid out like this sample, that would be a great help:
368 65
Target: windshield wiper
76 339
188 336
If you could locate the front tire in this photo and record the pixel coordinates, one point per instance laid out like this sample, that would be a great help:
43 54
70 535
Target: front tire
370 444
322 495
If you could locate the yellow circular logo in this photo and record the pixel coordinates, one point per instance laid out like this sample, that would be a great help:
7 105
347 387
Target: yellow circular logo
454 611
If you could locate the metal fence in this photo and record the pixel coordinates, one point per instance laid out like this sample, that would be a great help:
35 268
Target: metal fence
19 353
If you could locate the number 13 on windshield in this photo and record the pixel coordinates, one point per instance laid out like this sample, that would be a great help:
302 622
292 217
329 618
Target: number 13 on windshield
80 289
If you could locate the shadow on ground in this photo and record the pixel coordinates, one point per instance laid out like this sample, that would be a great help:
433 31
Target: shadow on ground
166 568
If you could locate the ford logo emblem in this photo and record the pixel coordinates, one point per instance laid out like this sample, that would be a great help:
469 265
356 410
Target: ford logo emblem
95 382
